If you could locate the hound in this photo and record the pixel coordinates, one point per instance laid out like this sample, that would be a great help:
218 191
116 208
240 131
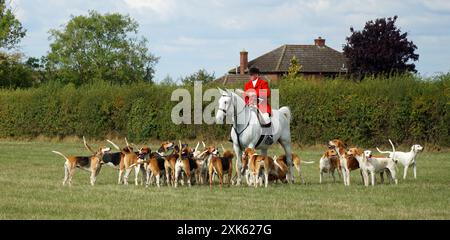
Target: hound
154 165
373 165
113 159
407 159
297 162
91 164
328 163
202 160
347 163
185 163
369 156
169 164
130 162
281 169
259 163
220 166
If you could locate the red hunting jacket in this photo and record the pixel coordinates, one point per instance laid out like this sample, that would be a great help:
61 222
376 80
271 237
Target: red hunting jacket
263 105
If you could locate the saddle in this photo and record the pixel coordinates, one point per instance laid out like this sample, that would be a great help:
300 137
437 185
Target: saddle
267 129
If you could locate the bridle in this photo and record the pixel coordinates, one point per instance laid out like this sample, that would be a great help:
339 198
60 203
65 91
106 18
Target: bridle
236 113
234 106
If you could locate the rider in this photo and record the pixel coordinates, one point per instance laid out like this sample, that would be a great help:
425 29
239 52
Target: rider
257 93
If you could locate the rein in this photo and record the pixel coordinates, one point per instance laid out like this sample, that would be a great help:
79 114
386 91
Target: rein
238 134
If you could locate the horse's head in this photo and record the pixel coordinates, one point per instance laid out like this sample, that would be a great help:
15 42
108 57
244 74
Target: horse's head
225 101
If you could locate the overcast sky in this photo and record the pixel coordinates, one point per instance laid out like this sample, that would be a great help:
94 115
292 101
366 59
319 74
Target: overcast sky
192 34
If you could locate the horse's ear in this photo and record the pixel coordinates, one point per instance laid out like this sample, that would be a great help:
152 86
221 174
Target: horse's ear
222 92
239 92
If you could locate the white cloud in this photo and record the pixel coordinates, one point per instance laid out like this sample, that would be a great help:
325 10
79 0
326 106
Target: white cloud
437 5
164 9
211 33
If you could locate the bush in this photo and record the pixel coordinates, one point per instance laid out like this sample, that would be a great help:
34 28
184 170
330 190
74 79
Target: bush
405 108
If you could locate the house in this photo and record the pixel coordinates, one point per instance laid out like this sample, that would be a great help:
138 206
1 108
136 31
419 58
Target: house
317 61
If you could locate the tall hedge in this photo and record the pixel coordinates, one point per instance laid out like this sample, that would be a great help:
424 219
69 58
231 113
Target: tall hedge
406 109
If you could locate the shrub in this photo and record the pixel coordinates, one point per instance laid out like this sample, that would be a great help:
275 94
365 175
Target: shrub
405 108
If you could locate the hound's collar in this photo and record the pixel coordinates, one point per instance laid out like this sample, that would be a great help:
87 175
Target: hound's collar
161 154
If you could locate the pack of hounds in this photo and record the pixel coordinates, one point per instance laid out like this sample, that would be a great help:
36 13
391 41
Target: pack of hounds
177 163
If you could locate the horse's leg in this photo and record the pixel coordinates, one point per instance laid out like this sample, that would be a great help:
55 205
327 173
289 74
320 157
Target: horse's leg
238 152
286 143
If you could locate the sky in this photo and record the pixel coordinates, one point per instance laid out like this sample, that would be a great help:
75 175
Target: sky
189 35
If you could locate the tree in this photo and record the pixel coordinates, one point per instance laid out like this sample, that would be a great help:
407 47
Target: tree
13 73
201 75
168 81
294 68
380 48
11 30
102 47
38 68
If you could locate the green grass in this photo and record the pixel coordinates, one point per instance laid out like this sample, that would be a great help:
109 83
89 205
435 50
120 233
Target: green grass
31 177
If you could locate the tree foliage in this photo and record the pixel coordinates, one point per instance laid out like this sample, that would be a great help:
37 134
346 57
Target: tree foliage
380 48
97 46
201 75
13 73
294 68
11 30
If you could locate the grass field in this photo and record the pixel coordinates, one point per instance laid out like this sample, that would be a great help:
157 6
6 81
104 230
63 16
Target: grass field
31 177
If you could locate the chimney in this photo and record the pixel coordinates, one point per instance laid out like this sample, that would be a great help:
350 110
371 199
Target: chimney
319 42
244 62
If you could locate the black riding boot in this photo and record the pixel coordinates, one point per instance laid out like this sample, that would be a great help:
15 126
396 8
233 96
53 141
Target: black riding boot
267 133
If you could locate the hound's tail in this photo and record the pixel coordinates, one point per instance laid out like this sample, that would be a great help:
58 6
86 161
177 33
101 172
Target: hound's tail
393 151
385 152
307 162
276 163
284 168
55 152
114 145
286 112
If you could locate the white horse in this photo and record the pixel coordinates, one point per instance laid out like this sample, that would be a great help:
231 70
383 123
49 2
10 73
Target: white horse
246 129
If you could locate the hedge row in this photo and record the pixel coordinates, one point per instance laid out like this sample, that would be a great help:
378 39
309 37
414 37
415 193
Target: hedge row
404 108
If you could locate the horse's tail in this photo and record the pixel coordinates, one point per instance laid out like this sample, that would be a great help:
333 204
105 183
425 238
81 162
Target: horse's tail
286 112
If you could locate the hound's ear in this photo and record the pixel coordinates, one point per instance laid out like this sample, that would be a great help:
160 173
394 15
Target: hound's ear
359 151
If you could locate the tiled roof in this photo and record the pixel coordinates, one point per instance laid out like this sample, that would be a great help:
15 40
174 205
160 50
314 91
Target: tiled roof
236 78
233 78
312 58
